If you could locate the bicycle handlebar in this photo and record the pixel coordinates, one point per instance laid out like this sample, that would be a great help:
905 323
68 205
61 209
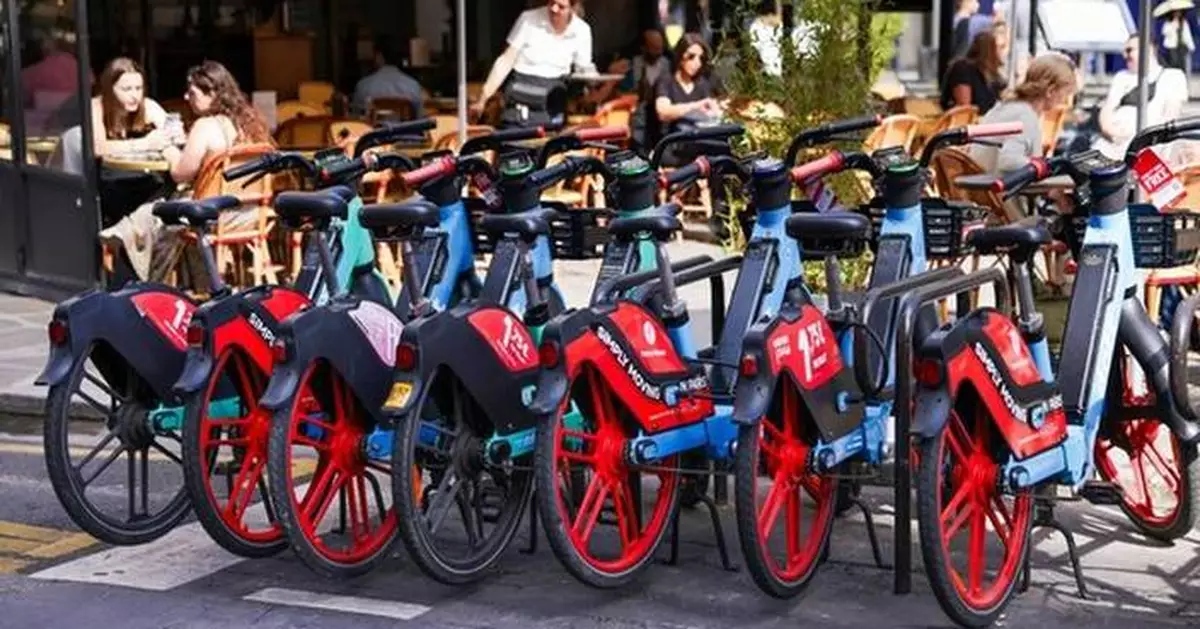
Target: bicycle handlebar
505 136
576 140
714 132
392 133
569 167
831 163
1159 134
819 134
1036 170
365 163
962 135
441 167
272 162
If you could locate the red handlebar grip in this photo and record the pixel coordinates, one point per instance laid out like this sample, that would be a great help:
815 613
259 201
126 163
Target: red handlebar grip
440 168
818 167
994 129
600 134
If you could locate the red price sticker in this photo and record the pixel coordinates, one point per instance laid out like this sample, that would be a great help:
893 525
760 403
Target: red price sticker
1157 180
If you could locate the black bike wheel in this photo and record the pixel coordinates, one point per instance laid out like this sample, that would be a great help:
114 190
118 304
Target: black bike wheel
225 459
127 432
439 464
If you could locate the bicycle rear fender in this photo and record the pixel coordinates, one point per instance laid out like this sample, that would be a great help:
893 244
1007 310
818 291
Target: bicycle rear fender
143 325
800 346
631 351
986 353
248 321
488 349
355 337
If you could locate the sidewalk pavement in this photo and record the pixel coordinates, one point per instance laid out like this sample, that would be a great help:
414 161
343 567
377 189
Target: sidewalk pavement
23 343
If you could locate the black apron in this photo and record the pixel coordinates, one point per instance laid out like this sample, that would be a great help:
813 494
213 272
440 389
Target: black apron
531 101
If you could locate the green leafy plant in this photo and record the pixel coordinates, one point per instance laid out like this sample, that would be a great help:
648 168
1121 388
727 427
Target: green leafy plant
848 45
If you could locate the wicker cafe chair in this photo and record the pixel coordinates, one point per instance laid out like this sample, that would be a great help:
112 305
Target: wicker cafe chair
246 231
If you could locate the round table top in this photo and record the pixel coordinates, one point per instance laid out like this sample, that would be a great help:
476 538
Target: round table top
145 163
985 181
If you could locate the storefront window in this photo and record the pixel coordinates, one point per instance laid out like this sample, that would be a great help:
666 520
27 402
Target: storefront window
50 91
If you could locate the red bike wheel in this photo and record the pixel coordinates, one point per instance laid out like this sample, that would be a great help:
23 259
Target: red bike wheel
226 460
594 455
959 508
778 448
329 429
1158 478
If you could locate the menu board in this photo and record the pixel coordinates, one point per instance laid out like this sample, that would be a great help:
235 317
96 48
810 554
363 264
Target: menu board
1085 25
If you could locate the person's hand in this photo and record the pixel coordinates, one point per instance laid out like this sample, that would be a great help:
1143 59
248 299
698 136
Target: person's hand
156 140
620 66
476 108
710 106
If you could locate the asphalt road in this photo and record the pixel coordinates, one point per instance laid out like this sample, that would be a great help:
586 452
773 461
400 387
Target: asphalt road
58 577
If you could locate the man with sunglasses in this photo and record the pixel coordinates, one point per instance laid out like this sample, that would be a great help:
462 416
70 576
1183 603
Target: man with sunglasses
1168 91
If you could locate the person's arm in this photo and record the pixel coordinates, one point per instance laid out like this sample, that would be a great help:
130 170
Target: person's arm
155 114
505 63
186 163
1016 150
1116 91
583 56
961 94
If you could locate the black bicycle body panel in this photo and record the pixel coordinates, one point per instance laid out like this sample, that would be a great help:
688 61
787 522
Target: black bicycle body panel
249 320
830 393
354 337
142 325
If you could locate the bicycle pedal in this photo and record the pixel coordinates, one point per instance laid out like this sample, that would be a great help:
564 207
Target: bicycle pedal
1101 493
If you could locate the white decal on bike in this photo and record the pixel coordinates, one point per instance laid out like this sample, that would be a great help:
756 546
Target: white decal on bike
514 342
998 381
381 328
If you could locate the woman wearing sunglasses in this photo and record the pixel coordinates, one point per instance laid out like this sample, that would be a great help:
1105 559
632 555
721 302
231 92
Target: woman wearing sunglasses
683 99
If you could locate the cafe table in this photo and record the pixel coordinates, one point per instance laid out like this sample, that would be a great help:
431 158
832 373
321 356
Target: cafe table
137 162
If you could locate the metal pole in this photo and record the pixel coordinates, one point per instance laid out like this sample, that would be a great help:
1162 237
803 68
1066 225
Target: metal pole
1033 27
1144 53
461 19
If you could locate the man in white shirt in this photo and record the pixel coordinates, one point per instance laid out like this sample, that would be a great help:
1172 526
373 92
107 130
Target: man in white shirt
543 46
387 81
1118 115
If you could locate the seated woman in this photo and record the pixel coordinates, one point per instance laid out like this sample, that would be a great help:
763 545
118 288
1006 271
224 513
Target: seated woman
225 119
974 79
1050 82
683 99
124 120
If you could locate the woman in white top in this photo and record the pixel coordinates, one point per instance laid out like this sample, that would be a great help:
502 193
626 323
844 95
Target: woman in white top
123 119
1168 91
543 46
225 119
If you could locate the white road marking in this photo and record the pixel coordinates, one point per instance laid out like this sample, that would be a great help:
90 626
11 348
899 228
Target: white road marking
398 610
181 556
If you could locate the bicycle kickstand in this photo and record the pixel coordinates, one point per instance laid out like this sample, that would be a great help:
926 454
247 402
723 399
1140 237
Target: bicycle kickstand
1043 517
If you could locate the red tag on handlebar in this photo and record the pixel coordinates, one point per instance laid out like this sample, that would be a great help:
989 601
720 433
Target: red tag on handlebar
1157 180
487 191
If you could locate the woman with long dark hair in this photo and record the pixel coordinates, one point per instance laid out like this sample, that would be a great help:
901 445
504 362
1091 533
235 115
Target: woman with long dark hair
225 119
975 79
124 119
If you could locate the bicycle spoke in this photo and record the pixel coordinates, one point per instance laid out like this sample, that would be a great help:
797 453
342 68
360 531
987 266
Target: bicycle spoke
96 450
103 466
444 498
165 452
